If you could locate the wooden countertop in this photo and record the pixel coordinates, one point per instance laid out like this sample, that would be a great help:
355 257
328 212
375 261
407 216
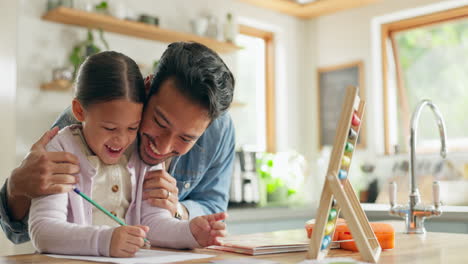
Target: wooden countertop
429 248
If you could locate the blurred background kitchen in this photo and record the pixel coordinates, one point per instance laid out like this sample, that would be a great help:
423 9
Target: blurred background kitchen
291 60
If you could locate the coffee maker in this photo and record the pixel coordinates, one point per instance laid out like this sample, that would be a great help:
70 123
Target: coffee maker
245 183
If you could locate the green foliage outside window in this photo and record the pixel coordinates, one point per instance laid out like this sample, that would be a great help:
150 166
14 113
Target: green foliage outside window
434 62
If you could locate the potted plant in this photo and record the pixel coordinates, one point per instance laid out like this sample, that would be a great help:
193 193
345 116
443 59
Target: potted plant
84 49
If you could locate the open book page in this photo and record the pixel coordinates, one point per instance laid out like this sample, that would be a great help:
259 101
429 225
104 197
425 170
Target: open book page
266 243
142 257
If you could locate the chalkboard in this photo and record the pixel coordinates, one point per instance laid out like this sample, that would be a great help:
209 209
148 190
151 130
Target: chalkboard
332 82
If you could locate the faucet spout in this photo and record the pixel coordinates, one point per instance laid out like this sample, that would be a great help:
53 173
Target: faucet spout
415 213
413 133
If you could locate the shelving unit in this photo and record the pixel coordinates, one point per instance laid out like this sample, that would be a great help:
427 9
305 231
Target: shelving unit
309 10
70 16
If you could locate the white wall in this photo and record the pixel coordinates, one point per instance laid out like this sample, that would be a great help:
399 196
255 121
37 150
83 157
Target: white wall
8 47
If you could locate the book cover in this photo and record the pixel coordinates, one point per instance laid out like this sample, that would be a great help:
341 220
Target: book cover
266 243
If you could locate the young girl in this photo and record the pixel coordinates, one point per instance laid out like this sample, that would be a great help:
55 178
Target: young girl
109 101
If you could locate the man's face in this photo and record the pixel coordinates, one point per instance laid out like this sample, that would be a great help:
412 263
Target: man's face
171 124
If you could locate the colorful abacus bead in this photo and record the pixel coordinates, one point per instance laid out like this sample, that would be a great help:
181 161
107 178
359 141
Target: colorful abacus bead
349 147
329 228
332 214
352 135
345 161
356 120
326 242
342 174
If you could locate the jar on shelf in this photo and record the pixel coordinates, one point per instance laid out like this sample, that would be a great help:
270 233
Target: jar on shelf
230 29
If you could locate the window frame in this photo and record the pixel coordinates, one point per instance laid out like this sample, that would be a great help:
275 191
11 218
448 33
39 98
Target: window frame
268 37
389 52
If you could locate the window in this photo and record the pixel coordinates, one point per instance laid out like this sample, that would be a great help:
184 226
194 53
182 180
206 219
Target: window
253 115
426 58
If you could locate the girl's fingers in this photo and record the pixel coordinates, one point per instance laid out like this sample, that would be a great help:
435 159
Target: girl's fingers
130 251
218 233
218 225
136 241
144 228
125 251
217 217
216 241
136 231
202 223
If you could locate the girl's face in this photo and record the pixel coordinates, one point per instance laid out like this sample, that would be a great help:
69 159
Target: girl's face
109 127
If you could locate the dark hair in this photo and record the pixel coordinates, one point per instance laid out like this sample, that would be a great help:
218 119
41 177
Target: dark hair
107 76
199 73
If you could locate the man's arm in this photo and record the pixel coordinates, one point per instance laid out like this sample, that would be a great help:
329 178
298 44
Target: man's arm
66 118
16 231
211 195
40 173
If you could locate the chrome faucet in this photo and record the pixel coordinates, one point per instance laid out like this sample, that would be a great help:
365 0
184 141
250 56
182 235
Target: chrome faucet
415 213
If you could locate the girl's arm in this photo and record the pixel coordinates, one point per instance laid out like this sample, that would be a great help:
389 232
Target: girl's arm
165 230
51 232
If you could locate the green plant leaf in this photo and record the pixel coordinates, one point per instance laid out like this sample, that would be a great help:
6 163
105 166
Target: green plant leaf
102 6
271 187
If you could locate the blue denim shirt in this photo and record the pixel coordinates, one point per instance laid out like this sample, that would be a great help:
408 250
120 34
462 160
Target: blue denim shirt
203 174
16 231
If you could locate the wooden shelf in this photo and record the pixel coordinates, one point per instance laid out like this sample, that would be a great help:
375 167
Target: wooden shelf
81 18
310 10
238 104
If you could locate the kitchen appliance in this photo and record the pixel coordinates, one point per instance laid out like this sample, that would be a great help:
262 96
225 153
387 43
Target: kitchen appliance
245 183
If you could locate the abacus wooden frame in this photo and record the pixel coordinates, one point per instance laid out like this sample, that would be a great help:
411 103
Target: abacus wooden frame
343 192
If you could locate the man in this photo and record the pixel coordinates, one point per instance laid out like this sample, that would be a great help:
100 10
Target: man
184 125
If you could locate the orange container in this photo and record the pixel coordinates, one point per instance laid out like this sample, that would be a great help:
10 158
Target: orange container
384 232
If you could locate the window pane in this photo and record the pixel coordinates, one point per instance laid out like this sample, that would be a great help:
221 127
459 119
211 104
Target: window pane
249 118
434 63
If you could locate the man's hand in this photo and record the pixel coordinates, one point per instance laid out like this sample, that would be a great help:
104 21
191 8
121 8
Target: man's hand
161 190
208 228
40 173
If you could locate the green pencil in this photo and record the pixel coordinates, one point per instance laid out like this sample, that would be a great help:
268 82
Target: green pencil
115 218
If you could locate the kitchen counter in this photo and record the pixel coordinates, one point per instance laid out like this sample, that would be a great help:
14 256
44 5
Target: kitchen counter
431 248
454 219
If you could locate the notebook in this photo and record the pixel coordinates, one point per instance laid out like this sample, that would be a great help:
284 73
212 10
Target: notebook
266 243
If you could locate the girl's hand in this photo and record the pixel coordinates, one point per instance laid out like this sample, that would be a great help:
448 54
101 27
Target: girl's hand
208 228
127 240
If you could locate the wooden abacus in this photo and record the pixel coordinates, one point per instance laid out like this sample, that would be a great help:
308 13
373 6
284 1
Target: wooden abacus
338 193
